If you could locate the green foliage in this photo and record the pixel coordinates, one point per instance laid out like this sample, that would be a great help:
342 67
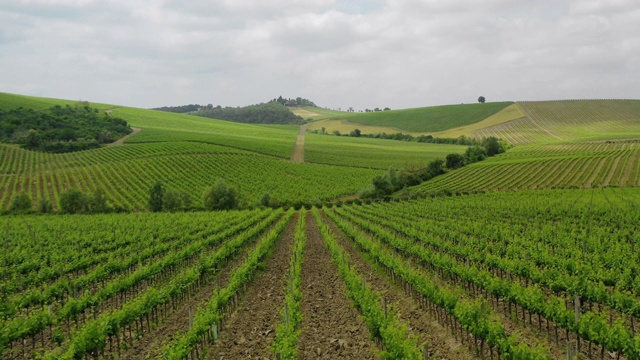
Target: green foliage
454 161
475 154
181 109
73 201
220 197
156 196
60 129
428 119
493 146
355 133
44 206
269 113
172 200
395 335
97 202
287 332
21 202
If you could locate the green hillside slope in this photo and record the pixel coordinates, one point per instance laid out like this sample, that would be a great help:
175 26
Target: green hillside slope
578 143
427 119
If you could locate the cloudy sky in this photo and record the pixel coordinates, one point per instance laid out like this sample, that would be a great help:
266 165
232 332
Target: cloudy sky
338 53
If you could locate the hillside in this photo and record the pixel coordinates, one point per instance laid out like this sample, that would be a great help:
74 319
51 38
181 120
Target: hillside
419 120
186 153
578 143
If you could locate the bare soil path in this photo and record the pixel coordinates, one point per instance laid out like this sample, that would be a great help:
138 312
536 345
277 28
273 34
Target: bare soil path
251 328
331 326
150 345
298 149
440 342
120 141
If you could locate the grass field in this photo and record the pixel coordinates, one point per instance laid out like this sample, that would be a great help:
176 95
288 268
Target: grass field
428 119
373 153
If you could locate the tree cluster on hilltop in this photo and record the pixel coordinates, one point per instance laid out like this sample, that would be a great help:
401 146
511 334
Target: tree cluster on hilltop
294 102
180 109
269 113
60 128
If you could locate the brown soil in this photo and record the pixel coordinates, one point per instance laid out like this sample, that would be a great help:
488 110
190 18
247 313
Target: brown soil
250 329
331 326
298 149
122 139
150 345
438 340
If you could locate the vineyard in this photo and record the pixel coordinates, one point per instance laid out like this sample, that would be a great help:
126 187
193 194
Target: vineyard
583 165
373 153
562 121
526 275
126 173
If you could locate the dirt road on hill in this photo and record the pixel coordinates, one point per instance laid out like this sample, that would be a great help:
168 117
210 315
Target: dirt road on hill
122 139
298 149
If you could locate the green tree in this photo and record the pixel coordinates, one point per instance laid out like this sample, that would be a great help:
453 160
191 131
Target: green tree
156 193
220 197
21 202
97 202
33 139
73 201
186 200
266 200
172 200
481 99
355 133
475 154
493 146
44 206
454 161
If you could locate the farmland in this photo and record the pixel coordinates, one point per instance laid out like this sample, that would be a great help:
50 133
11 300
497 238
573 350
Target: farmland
530 254
425 120
452 277
373 153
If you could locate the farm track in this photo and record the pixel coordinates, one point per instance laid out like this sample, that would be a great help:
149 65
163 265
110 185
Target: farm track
331 326
121 141
250 329
439 341
298 149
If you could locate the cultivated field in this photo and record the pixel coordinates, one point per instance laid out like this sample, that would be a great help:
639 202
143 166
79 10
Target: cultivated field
520 274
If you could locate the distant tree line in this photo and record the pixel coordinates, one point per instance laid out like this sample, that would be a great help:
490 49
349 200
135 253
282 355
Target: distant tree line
181 109
294 102
265 113
462 140
394 180
60 129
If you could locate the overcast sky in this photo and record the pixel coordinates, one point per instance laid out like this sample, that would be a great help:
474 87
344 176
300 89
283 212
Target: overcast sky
338 53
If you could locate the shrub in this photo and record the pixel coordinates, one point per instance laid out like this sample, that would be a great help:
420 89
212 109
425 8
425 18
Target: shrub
156 193
220 197
21 202
73 201
172 200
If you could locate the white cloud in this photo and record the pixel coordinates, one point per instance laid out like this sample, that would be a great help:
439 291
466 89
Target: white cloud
398 53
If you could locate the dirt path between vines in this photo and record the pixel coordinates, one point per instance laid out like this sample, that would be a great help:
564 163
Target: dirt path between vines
331 326
120 141
150 345
439 341
298 149
251 328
